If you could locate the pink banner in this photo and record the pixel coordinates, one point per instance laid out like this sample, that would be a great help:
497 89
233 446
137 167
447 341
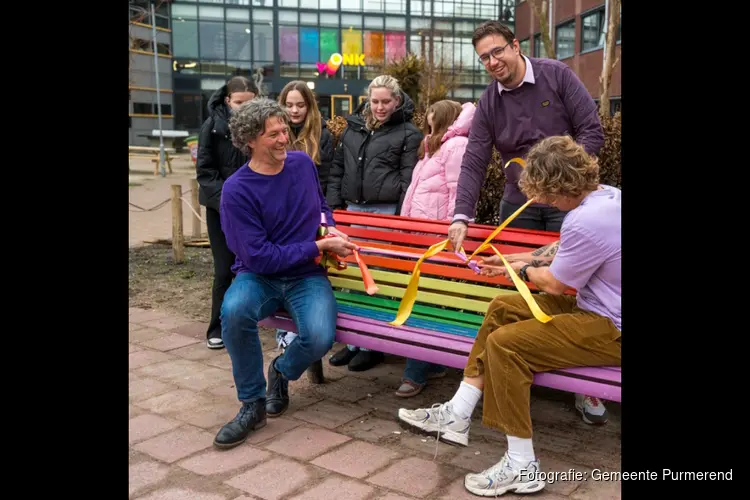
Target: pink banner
395 46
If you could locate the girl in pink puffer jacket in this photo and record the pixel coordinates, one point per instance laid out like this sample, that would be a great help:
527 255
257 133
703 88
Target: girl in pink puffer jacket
432 191
432 195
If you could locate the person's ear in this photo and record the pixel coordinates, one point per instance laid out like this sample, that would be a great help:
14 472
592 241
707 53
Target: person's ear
226 100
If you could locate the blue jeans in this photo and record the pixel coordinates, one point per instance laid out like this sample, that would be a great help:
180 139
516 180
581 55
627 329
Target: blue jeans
417 371
372 208
251 298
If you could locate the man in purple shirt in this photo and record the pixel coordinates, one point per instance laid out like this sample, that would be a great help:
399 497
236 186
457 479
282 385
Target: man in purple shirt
528 100
270 213
512 345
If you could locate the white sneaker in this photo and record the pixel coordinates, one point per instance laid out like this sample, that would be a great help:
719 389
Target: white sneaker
438 421
592 409
504 477
284 339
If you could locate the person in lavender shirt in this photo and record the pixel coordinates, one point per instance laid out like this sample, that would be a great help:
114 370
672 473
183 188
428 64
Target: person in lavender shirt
529 99
511 345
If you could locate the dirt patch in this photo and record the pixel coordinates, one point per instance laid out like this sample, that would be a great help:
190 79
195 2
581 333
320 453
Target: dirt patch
155 281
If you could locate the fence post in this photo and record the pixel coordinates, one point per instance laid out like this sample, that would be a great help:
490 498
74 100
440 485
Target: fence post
197 207
178 239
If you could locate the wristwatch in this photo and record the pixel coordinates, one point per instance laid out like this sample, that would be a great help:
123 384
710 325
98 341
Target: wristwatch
523 274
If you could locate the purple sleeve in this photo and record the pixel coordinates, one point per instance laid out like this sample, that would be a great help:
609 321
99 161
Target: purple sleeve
587 128
474 165
247 239
577 258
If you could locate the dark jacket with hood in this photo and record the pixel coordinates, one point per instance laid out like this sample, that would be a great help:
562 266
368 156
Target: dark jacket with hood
326 152
218 158
375 166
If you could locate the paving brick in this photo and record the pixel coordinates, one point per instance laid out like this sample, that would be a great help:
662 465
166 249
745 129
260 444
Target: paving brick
370 428
273 428
209 416
357 459
176 444
337 487
147 426
349 389
134 411
306 442
169 342
393 496
427 445
195 329
134 348
145 334
143 315
225 390
330 414
457 491
172 368
413 476
144 474
182 494
561 486
223 362
174 401
201 380
273 479
199 352
146 357
490 453
167 323
598 490
146 387
218 462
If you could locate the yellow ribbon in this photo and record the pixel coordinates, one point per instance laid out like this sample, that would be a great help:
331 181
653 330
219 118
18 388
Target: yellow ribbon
410 296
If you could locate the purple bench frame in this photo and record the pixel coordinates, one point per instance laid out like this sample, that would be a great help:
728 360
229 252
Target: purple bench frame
453 351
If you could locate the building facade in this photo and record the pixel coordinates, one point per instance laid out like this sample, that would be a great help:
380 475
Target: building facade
337 46
578 34
143 115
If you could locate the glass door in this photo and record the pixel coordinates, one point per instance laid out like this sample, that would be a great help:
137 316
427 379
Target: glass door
341 105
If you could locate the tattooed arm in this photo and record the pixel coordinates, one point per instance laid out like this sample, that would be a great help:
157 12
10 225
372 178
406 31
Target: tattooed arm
538 258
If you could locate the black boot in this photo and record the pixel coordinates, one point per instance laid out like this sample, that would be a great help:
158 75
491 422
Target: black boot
252 416
342 357
277 394
364 360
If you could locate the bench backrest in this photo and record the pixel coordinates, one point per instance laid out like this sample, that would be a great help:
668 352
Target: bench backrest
451 296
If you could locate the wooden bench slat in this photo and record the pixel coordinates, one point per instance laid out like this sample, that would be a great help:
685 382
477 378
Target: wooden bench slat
390 314
425 283
418 308
413 320
422 296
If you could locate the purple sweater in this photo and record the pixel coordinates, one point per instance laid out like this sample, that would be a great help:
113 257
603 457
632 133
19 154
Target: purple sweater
270 221
556 104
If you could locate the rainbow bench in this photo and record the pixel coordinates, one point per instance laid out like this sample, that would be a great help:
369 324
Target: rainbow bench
451 301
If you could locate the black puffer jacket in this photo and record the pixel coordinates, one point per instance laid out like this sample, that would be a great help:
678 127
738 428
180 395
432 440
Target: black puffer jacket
326 153
218 159
375 166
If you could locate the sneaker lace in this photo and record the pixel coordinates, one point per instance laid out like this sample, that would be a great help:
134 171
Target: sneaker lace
497 472
441 411
592 401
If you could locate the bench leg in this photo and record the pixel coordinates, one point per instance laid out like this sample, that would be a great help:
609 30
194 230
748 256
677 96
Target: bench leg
315 372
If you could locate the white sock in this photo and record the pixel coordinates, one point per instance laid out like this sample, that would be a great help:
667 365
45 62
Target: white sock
466 398
520 451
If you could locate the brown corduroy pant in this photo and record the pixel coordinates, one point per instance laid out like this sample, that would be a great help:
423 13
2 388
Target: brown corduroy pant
512 345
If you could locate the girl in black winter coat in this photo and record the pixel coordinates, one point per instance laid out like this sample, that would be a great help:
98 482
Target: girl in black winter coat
307 132
371 171
217 160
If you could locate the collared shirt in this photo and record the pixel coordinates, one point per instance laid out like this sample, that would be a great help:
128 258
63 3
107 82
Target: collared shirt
528 77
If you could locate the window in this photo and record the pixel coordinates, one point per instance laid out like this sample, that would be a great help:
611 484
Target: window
539 46
238 41
565 39
592 31
262 42
211 40
143 108
525 47
185 38
187 111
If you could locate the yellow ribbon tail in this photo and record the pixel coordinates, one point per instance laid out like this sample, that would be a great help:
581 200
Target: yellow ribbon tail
520 161
410 295
523 290
499 228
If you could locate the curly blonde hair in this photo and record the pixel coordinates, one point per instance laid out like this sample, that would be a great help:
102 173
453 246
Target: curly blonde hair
382 81
558 166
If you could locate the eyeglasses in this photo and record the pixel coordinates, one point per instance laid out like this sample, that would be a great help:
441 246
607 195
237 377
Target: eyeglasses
498 53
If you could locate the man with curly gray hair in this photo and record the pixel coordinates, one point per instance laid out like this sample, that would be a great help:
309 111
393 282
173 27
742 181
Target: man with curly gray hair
270 212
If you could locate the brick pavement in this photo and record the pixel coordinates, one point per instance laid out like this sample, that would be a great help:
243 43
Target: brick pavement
153 190
339 440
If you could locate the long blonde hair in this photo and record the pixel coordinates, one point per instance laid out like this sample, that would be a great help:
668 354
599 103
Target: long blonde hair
382 81
309 137
446 112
